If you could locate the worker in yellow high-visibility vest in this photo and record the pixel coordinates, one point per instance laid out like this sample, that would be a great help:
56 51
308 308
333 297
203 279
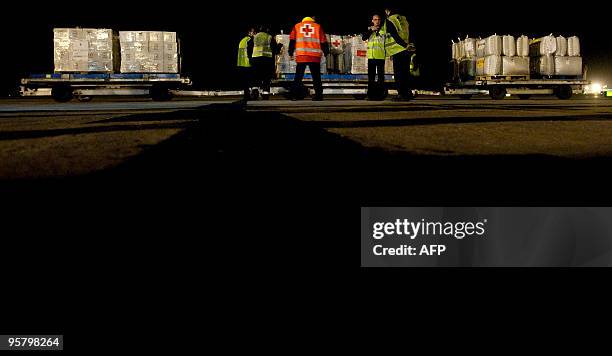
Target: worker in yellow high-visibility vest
375 36
245 53
397 47
264 50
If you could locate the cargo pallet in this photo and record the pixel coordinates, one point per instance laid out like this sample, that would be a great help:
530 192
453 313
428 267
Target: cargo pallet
83 86
503 77
523 88
340 84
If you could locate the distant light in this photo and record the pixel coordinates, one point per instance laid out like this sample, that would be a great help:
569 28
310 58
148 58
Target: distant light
596 87
508 94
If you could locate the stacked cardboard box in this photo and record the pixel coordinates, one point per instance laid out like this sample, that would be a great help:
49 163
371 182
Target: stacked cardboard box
356 55
149 52
83 50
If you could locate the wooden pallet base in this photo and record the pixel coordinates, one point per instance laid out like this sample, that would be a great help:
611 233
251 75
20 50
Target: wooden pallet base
503 77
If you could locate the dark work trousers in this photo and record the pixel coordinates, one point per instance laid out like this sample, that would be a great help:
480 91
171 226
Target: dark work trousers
246 74
315 70
401 71
263 72
376 78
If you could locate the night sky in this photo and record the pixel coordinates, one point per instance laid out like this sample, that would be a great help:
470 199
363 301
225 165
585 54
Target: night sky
210 34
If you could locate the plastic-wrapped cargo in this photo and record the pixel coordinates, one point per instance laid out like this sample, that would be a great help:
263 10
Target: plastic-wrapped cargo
284 64
480 48
454 70
493 65
561 46
480 66
522 46
570 66
467 68
83 50
358 50
149 52
509 46
573 46
543 46
458 50
515 65
335 58
543 65
493 46
388 66
469 47
336 44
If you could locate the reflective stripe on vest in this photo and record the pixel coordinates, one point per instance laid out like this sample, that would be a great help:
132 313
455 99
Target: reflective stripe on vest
243 54
376 46
307 42
401 25
262 46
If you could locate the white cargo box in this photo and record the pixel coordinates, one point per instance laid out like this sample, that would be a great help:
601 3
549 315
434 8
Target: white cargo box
149 52
83 50
515 65
568 66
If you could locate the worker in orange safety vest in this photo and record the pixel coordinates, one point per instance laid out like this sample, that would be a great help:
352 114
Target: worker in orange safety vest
308 42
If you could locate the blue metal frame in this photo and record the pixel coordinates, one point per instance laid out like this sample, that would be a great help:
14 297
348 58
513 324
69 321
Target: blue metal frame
334 77
105 76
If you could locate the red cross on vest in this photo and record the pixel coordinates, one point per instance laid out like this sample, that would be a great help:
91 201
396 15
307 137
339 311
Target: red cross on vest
306 30
336 43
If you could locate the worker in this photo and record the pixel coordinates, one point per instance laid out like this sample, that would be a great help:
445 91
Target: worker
245 53
397 47
308 42
264 50
376 59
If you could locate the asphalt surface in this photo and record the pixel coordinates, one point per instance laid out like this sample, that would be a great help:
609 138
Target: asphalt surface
454 145
132 185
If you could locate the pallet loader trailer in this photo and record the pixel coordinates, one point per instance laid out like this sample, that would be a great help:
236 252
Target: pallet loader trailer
66 86
523 86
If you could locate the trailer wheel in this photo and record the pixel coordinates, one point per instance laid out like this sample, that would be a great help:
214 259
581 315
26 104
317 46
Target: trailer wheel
465 96
497 92
524 96
564 92
159 93
61 93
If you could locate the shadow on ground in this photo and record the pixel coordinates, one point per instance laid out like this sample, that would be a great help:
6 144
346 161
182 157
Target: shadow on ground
245 182
227 154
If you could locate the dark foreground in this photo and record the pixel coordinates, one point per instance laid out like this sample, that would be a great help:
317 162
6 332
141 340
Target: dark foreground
111 203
